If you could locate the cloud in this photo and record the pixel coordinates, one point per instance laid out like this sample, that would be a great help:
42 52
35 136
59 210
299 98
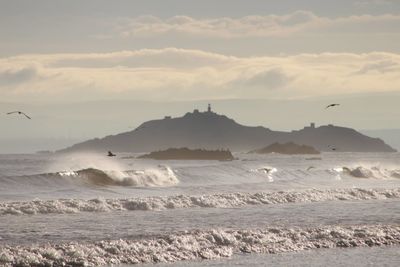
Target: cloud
382 67
267 80
223 27
181 74
298 22
154 58
9 77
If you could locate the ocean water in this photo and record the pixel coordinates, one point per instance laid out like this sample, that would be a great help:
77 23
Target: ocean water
335 209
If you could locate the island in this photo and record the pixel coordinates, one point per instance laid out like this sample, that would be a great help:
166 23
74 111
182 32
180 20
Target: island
209 130
289 148
189 154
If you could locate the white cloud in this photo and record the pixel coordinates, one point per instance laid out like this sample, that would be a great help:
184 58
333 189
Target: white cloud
160 58
382 67
269 79
179 74
257 26
223 27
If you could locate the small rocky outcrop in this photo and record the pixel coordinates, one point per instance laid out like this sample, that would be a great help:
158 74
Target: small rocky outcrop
289 148
189 154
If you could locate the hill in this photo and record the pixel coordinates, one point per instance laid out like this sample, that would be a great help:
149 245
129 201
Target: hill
209 130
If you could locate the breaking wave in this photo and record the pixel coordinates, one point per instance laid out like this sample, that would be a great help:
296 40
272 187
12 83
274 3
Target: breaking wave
268 171
367 172
198 244
150 177
161 176
224 200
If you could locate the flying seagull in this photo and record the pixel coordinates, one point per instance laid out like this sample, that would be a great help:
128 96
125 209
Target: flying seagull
332 105
110 154
311 167
20 113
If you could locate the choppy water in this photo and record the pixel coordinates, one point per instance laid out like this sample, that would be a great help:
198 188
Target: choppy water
90 209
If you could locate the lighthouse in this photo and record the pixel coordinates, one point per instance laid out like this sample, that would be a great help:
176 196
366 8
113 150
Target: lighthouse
209 108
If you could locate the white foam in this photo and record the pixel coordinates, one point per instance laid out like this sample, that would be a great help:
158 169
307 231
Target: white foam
152 176
198 244
224 200
367 172
267 171
84 165
161 176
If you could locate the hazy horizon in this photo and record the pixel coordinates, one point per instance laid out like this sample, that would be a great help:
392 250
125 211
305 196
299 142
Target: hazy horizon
68 124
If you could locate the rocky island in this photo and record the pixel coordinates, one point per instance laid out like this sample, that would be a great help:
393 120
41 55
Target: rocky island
189 154
209 130
289 148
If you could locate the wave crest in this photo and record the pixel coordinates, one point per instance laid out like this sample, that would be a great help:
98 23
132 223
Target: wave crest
163 176
368 172
199 244
227 200
151 177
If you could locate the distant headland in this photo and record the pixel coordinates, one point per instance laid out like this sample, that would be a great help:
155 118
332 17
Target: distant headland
209 130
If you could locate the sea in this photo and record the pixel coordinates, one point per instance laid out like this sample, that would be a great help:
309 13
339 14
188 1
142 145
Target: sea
85 209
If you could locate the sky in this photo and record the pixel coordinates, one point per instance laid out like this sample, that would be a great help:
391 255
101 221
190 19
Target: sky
71 62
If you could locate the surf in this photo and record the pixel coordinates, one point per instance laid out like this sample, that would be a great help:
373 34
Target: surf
92 177
222 200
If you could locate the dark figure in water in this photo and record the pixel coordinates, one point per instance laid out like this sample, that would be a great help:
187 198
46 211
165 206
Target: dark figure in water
332 148
110 154
266 170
